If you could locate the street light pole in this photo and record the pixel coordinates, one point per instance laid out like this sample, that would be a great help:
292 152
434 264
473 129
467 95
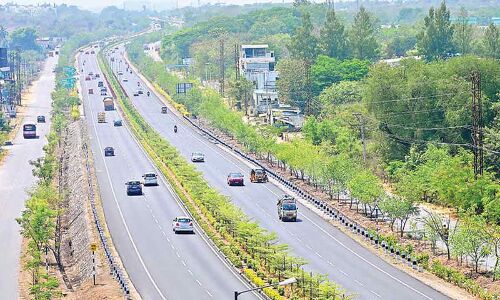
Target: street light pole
284 282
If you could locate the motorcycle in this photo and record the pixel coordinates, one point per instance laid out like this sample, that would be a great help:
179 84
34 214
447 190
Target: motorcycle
175 128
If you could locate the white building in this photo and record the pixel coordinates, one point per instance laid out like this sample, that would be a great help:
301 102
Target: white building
257 64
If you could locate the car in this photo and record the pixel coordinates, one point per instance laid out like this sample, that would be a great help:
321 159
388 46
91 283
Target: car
120 73
258 175
87 78
100 84
91 73
97 75
197 157
235 179
103 93
136 93
150 179
182 224
40 119
125 79
134 187
86 52
140 92
109 151
164 110
92 52
117 123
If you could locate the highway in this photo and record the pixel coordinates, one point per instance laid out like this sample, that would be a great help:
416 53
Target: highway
327 249
161 264
16 178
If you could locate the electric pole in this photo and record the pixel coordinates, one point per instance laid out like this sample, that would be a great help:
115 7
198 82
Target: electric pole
236 62
221 67
477 124
362 130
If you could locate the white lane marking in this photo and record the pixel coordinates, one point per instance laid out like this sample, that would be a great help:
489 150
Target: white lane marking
358 282
330 263
177 254
164 234
308 247
190 272
319 255
184 263
209 294
116 201
172 246
198 282
343 273
375 294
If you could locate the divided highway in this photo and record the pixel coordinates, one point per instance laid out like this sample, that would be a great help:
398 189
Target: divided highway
328 250
16 178
161 264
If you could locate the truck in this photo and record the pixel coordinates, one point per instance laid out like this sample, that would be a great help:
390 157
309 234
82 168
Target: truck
108 103
287 208
101 117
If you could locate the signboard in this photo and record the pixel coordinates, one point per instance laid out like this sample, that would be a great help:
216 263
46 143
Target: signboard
93 247
182 88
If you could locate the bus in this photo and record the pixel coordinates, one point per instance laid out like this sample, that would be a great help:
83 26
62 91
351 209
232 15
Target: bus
29 131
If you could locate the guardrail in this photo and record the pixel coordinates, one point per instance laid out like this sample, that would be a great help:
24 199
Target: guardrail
326 208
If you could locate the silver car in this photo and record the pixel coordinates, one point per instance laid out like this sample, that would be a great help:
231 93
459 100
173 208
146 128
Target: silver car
197 157
150 179
182 224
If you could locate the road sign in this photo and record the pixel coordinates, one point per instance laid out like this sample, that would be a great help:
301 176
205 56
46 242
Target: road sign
93 247
184 87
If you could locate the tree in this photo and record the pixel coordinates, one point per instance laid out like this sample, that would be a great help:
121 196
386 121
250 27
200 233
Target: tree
463 33
333 37
493 231
437 227
292 83
491 41
304 45
398 208
471 239
344 92
3 36
362 39
241 90
327 70
24 38
435 41
365 187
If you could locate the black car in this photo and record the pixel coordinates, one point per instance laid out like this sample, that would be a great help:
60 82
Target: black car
109 151
134 188
117 123
40 119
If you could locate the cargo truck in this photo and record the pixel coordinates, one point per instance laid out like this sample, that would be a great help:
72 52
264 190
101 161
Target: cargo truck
108 103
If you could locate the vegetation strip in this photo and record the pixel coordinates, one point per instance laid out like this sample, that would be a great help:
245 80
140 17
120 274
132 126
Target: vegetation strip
244 243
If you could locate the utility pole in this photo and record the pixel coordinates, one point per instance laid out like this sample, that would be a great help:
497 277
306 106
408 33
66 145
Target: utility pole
477 124
362 129
236 62
221 67
307 66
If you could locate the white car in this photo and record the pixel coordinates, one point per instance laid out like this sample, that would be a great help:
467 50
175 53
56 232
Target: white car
150 179
197 157
182 224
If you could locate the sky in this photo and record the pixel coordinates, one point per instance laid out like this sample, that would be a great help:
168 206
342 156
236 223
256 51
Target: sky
99 4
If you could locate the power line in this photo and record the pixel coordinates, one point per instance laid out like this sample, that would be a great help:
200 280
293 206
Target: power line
430 128
417 98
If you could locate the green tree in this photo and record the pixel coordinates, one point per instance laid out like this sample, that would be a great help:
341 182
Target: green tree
241 91
333 37
435 41
471 239
491 41
327 70
366 188
3 36
24 38
398 209
344 92
292 83
362 40
304 45
463 33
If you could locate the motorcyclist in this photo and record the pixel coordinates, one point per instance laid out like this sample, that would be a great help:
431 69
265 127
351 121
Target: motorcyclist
138 83
175 128
148 93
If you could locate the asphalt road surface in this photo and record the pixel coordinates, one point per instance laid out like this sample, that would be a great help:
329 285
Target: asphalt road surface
327 249
161 264
16 179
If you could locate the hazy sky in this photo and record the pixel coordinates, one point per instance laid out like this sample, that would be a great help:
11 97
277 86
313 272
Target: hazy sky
98 4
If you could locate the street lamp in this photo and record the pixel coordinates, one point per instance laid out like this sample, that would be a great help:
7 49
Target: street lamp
284 282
